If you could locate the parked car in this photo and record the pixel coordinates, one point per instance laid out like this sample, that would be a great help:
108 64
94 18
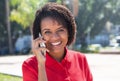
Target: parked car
115 42
118 39
23 44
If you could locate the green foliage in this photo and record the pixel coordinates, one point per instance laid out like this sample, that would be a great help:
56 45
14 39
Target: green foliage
4 77
15 2
59 1
93 15
24 11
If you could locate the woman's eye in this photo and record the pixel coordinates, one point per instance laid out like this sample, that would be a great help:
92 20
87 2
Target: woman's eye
61 30
47 32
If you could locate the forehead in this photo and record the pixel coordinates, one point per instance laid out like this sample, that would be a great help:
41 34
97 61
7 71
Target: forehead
50 23
55 19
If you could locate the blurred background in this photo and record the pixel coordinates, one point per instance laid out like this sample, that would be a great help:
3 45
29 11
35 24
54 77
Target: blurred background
98 24
98 35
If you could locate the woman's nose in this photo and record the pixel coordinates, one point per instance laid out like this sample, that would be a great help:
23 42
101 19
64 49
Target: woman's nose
55 36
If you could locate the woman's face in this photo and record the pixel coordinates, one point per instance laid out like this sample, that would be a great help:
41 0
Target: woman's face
55 35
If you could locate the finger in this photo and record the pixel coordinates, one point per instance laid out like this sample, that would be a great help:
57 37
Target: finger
39 42
43 51
40 50
39 38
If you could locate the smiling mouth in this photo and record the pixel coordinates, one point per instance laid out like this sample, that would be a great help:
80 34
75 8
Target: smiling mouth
56 43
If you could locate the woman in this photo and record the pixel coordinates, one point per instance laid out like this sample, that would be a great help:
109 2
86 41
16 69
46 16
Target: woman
57 27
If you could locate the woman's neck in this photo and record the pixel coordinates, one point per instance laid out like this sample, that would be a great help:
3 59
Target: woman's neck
58 56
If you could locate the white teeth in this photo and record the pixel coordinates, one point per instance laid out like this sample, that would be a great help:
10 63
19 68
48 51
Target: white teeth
57 43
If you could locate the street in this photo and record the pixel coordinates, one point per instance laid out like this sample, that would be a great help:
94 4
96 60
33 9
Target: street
104 67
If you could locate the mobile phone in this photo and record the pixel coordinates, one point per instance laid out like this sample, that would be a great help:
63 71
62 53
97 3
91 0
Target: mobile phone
42 44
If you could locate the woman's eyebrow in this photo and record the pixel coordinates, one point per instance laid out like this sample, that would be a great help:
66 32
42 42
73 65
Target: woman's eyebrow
61 27
45 29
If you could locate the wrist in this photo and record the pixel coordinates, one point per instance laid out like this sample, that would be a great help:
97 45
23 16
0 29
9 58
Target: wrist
41 64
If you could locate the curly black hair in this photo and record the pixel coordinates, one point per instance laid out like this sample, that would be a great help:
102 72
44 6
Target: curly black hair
58 12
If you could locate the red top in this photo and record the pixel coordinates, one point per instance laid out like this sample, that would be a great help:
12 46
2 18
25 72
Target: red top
73 67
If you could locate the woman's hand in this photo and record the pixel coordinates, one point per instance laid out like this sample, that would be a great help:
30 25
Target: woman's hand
39 51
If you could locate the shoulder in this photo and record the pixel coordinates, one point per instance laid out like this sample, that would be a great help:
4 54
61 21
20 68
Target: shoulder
76 54
31 61
30 69
79 58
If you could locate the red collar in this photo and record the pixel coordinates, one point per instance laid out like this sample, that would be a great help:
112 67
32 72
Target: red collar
51 61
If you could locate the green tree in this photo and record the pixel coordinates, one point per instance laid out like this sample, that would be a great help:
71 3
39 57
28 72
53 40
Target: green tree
24 10
93 15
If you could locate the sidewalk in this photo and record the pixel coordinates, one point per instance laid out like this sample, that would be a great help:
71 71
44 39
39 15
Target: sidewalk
103 67
12 64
